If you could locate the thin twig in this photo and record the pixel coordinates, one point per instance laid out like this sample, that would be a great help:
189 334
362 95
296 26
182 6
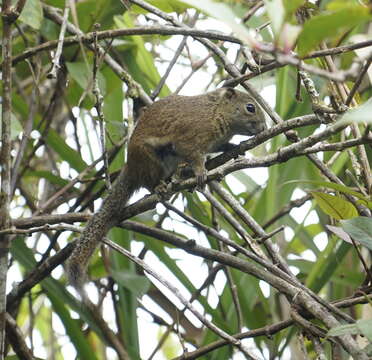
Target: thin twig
88 38
26 132
362 154
366 269
99 108
45 227
358 81
56 58
184 301
338 50
162 81
194 69
176 55
77 179
277 258
134 89
253 225
303 298
337 76
234 295
285 210
113 339
268 331
210 278
252 11
17 340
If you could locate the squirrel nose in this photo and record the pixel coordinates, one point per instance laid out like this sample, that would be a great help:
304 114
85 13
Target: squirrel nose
258 127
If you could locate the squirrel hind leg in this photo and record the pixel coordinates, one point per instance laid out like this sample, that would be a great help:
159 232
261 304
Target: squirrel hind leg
198 166
164 154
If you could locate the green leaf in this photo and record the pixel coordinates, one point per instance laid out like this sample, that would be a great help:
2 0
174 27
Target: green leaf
49 29
330 185
340 233
56 3
83 75
171 347
360 229
72 328
113 106
66 152
222 12
365 327
349 329
292 5
15 126
60 298
328 25
127 302
276 12
48 175
164 5
360 327
32 14
338 187
325 267
97 11
139 60
285 86
137 284
335 206
360 114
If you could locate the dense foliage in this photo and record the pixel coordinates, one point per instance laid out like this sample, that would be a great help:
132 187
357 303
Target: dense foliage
272 261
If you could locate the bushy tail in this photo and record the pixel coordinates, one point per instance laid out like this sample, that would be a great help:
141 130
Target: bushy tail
97 227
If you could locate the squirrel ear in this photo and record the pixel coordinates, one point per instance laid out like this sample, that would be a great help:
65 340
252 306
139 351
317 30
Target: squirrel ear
228 92
221 94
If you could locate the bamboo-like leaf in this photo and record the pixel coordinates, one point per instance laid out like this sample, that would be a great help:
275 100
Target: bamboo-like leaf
330 24
222 12
365 327
340 233
66 152
140 61
348 329
276 12
360 229
59 298
32 14
127 304
360 327
53 179
326 265
335 206
137 284
82 74
330 185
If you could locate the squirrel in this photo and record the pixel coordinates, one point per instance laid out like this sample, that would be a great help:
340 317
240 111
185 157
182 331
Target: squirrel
173 130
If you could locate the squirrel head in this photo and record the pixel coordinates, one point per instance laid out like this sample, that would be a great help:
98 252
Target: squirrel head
242 111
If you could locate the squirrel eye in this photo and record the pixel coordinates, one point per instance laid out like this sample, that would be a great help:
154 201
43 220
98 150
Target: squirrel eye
250 108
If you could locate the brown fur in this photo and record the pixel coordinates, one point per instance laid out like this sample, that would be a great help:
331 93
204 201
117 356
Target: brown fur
173 130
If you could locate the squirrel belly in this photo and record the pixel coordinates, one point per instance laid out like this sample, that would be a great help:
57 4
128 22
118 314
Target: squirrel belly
176 129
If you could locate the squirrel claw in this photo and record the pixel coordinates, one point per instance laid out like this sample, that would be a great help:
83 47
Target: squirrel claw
162 189
200 181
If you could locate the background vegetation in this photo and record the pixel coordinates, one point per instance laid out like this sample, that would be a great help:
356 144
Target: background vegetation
272 262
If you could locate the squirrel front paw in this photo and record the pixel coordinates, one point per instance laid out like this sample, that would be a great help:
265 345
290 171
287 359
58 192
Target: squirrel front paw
201 180
162 190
